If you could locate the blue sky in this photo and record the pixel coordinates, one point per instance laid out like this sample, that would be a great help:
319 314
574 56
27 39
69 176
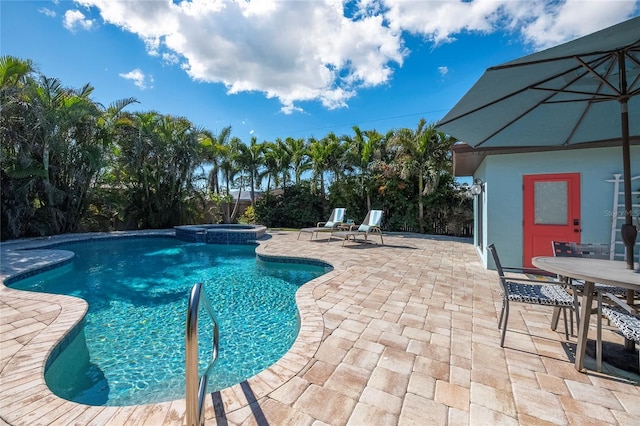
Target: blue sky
274 69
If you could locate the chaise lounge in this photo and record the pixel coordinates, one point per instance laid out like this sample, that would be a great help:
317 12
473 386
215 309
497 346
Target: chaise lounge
370 225
335 220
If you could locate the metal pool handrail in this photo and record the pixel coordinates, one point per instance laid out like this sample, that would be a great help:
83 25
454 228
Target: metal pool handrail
196 387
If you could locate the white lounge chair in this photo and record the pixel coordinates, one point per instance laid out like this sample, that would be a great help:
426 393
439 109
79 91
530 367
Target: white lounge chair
370 225
335 220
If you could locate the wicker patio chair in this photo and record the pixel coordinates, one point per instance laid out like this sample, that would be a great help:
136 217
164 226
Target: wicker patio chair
534 292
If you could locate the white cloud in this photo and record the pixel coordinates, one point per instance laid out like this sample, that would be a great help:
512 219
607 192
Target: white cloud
327 50
139 78
75 20
443 70
45 11
575 18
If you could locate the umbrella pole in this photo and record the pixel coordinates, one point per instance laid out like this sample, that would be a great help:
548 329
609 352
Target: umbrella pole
627 231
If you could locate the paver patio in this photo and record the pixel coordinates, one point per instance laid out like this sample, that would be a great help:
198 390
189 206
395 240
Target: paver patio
400 334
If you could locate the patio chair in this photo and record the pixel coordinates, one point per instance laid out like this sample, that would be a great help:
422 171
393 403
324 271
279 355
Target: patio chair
535 292
370 225
335 220
621 315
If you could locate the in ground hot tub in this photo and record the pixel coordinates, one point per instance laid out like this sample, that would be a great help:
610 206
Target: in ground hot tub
220 234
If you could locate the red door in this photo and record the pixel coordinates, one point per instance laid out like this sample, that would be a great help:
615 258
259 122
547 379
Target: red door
551 212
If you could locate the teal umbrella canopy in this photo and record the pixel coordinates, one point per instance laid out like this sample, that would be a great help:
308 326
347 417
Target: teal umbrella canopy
585 90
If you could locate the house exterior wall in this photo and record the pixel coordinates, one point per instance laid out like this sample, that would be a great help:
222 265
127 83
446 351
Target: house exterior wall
503 202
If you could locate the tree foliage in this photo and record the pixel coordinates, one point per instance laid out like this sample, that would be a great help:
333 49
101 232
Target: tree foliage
69 164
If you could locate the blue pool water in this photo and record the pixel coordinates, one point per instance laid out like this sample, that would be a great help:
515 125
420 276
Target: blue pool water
131 348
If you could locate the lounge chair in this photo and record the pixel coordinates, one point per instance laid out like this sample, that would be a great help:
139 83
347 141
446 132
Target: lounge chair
335 220
370 225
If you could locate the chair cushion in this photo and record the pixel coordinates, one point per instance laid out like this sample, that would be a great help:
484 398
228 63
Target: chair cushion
627 323
363 228
329 224
539 294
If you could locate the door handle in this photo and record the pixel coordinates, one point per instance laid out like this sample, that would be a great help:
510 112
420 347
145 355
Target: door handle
577 230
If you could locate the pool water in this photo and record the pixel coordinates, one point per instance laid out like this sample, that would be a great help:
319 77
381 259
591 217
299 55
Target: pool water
131 348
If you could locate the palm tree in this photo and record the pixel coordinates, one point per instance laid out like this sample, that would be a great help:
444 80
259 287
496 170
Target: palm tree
324 153
212 151
424 153
19 170
298 151
363 149
251 159
277 162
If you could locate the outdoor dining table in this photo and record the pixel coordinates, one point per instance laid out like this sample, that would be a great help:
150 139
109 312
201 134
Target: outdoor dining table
591 271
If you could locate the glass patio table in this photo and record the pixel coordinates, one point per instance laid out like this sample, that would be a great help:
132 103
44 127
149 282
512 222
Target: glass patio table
592 271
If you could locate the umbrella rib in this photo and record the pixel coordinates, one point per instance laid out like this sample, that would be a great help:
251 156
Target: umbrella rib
631 46
510 95
599 61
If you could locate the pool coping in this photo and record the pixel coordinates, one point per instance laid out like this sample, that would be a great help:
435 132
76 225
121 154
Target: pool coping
24 395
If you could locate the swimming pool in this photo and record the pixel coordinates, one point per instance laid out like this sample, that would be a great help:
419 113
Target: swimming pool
130 350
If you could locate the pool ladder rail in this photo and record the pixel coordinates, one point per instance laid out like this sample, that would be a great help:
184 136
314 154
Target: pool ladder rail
196 387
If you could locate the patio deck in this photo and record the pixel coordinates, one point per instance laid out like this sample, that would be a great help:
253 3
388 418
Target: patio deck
400 334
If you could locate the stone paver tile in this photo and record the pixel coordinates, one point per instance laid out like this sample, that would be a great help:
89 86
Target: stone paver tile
460 376
593 411
625 419
369 345
552 384
377 398
393 340
527 420
593 395
422 385
452 395
397 360
271 412
325 405
536 403
319 372
417 410
479 415
492 378
389 381
365 414
436 369
458 417
524 376
564 369
178 410
289 392
362 358
497 400
71 417
630 401
583 419
330 354
348 380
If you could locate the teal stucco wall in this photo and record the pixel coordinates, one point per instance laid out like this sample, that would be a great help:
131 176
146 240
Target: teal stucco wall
503 202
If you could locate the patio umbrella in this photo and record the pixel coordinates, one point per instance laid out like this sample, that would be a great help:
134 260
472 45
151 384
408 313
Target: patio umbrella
577 92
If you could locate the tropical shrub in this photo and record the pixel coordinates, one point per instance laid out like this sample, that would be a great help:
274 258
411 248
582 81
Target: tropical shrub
295 207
